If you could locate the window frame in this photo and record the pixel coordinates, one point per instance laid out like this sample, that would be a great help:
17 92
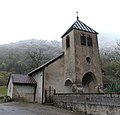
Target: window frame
89 41
83 40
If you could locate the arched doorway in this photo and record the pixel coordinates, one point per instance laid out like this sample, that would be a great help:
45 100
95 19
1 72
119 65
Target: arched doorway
89 82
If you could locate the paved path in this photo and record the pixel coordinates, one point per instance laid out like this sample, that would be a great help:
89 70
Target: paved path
20 108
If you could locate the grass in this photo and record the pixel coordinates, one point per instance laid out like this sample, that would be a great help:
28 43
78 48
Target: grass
3 90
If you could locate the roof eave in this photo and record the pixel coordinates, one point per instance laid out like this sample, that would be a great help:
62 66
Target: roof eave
66 33
77 29
16 83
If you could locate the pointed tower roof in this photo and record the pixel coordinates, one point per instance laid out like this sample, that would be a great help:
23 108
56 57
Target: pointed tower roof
79 25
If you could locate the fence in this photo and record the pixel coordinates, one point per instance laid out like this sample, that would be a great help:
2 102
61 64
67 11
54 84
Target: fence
49 95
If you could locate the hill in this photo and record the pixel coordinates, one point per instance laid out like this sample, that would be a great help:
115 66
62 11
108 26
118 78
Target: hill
23 56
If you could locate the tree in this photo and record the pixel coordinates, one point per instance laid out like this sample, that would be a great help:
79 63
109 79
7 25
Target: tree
114 86
36 57
3 78
110 61
23 56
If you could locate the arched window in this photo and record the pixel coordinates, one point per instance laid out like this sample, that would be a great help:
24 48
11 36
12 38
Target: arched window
68 82
67 41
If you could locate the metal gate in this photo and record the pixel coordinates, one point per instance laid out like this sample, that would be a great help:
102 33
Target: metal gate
49 95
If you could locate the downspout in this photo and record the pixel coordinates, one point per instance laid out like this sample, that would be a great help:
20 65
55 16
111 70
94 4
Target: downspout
35 92
43 88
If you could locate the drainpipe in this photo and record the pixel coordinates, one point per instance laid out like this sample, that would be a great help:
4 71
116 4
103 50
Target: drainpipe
43 88
35 92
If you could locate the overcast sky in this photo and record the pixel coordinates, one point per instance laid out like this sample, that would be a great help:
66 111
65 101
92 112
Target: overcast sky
49 19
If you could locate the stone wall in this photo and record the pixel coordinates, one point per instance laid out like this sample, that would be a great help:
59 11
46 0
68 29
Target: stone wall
94 103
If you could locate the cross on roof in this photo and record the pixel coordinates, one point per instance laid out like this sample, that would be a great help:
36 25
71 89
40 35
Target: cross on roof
77 15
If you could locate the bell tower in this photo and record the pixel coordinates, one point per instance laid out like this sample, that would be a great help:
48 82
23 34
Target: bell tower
81 57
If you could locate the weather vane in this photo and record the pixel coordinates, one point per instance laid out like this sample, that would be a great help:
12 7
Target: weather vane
77 15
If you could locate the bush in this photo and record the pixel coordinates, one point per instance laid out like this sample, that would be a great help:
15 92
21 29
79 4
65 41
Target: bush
3 90
114 86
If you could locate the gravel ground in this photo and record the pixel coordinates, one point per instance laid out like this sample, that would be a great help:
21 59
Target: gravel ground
22 108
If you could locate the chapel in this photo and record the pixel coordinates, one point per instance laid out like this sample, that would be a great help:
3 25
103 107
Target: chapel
76 70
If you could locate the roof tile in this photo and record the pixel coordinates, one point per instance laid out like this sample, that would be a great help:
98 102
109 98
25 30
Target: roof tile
23 79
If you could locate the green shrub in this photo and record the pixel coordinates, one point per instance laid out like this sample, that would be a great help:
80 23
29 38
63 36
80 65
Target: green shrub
3 90
114 86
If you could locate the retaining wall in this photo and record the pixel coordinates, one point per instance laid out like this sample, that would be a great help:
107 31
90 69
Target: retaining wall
94 103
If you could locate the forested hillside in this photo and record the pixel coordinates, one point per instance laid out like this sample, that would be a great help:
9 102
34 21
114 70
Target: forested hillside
23 56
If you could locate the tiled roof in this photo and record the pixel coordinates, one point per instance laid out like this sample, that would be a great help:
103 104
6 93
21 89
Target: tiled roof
80 26
46 64
22 79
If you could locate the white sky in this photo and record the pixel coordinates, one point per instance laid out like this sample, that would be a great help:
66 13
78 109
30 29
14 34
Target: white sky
49 19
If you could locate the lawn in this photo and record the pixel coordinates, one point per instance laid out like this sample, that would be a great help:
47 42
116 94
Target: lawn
3 90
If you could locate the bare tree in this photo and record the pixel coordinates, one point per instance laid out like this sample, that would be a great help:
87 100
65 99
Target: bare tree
36 56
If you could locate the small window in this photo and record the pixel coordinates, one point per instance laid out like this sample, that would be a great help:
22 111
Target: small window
67 42
83 40
88 59
89 41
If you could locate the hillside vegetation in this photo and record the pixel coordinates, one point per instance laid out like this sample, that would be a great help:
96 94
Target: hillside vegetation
110 62
23 56
3 91
3 78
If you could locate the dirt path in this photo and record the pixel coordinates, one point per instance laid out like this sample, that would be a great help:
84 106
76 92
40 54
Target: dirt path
20 108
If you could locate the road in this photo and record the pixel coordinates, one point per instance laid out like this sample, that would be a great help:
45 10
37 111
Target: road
22 108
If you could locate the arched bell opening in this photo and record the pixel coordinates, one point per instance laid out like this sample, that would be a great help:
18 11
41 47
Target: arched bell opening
89 82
